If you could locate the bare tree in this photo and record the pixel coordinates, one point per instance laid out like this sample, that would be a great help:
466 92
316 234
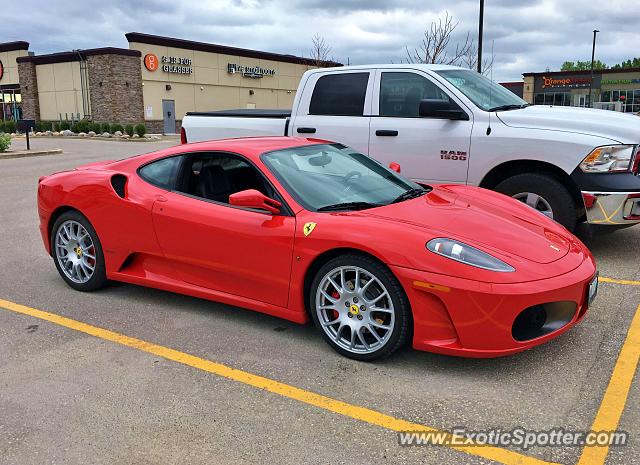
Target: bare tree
435 44
470 60
320 50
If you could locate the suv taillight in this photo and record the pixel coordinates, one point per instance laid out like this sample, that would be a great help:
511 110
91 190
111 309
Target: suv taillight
183 136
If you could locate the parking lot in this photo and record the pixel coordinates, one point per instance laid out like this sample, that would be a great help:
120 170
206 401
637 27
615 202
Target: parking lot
130 375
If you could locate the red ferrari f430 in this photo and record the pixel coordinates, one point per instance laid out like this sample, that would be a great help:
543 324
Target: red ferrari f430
306 229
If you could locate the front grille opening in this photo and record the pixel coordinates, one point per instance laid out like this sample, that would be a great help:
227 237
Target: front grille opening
542 319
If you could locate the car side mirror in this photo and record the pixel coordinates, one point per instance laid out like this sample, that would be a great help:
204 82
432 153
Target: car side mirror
252 198
432 108
394 166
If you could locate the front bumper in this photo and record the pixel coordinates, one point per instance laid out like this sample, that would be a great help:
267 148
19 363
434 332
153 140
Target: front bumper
612 208
461 317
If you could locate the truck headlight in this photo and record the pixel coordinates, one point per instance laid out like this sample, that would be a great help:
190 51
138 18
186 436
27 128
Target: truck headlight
608 159
463 253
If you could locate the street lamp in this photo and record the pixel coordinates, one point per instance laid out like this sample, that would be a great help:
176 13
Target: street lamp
480 27
593 55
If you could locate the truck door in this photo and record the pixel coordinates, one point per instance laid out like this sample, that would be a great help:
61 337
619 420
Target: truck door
427 149
336 107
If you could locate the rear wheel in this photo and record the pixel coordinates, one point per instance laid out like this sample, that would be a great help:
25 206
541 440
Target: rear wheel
77 252
360 308
543 193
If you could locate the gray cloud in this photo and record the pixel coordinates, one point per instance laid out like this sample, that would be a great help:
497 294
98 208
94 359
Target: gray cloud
527 35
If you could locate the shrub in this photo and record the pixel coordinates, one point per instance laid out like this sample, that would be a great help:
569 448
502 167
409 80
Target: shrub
1 127
95 127
140 129
116 127
43 126
105 127
81 126
5 142
9 126
65 126
129 129
56 126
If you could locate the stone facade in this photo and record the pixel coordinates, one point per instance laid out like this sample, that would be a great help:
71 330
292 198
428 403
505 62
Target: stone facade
115 87
157 126
29 90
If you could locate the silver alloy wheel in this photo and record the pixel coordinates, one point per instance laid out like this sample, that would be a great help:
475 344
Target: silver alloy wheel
355 309
75 251
535 201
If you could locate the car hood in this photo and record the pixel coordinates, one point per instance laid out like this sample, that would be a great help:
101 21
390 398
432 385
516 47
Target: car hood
484 219
618 127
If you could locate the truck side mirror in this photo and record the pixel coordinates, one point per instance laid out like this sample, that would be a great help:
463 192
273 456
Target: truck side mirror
432 108
252 198
394 166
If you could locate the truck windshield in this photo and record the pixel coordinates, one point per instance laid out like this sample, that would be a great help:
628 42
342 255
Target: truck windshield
487 95
333 177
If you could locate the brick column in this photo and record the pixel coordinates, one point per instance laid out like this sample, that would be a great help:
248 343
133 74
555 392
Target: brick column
115 87
29 90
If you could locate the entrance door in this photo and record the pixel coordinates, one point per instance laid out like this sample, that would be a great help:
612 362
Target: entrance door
169 116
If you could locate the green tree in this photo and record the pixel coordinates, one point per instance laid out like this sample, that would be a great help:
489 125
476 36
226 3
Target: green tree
582 65
634 63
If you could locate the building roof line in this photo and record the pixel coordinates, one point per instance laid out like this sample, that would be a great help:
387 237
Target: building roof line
151 39
76 55
586 71
12 46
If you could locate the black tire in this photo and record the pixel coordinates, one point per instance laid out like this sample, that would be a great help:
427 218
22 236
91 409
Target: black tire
550 189
401 308
99 277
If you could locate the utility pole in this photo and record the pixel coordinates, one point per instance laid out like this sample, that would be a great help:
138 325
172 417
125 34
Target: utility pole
480 27
593 55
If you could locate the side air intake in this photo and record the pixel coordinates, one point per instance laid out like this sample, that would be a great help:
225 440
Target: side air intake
119 184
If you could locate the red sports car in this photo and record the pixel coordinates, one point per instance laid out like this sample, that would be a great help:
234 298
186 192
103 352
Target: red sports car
301 228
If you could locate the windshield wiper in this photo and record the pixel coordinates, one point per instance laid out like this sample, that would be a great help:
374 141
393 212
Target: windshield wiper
511 106
348 206
410 194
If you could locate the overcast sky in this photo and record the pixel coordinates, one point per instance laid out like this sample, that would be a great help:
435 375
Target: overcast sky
528 35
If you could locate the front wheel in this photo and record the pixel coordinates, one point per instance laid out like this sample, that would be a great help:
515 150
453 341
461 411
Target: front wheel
77 252
543 193
360 308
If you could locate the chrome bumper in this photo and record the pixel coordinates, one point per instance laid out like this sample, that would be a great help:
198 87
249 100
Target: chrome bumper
612 208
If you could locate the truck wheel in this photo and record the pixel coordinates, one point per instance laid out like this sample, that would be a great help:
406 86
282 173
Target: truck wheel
545 194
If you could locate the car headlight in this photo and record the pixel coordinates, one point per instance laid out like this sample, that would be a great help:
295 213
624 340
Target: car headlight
464 253
608 159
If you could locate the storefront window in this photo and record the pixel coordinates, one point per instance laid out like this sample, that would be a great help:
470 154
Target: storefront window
552 98
630 99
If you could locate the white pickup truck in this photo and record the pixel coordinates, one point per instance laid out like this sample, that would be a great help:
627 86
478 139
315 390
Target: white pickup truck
445 124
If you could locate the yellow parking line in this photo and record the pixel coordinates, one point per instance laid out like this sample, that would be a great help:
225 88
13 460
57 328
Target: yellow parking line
615 397
373 417
619 281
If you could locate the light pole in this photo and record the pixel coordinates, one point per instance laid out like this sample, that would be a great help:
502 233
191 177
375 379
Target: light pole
593 55
480 27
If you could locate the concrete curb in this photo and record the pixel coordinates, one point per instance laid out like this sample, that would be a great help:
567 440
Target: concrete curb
28 153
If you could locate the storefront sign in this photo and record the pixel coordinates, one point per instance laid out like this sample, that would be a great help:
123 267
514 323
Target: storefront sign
1 70
565 82
177 65
250 71
609 82
151 62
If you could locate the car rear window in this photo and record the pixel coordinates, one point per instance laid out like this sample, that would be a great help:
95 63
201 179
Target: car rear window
340 94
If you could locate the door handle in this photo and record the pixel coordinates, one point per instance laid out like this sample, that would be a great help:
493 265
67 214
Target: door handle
386 132
306 130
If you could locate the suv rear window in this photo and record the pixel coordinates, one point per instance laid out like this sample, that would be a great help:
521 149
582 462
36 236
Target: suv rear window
339 94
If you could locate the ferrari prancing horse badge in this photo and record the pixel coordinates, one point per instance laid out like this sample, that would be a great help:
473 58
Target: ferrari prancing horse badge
308 228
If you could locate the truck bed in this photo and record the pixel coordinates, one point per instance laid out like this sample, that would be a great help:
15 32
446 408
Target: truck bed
244 113
224 124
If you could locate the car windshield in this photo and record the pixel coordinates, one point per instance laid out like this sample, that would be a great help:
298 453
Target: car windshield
487 95
333 177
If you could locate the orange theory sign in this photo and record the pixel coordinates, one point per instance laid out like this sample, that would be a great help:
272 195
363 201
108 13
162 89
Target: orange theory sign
151 62
1 70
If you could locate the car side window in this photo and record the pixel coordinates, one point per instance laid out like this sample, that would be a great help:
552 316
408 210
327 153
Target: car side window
400 94
215 176
341 94
161 173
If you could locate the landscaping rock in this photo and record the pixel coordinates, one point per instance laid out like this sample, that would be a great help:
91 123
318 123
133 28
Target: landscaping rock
55 133
124 136
136 136
82 134
67 133
105 134
38 133
117 134
91 134
48 133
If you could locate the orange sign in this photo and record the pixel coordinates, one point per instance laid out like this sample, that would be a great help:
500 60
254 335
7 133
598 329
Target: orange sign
1 70
151 62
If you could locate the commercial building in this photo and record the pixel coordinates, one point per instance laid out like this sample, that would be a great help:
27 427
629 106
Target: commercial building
156 80
612 89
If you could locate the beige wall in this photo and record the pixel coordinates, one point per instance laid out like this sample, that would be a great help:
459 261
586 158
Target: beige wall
8 59
59 90
527 89
211 87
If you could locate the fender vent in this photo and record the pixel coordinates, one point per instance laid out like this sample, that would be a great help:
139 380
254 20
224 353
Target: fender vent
119 184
